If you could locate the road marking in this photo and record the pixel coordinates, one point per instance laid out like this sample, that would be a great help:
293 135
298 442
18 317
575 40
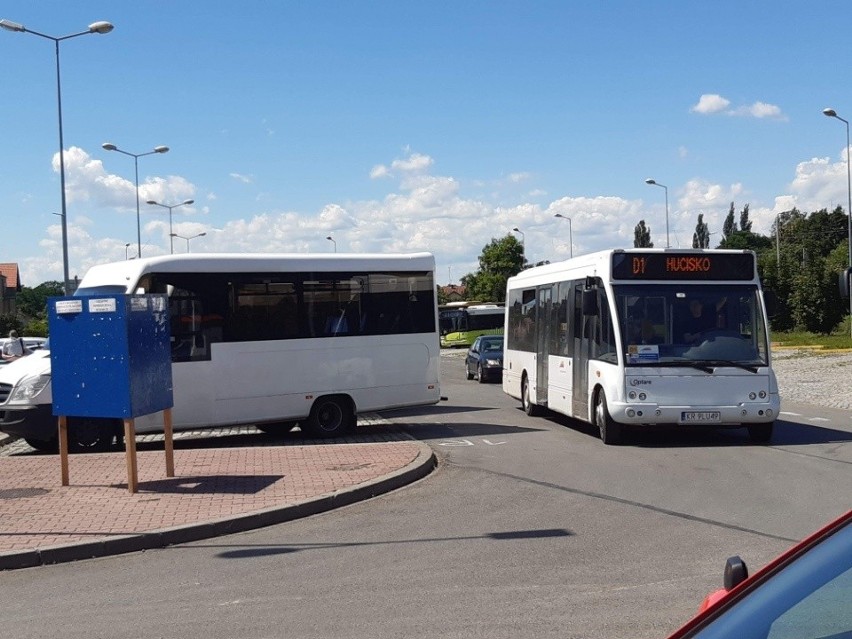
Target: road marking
818 419
784 412
467 442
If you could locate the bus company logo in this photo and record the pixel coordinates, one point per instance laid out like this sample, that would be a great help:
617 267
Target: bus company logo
640 382
688 264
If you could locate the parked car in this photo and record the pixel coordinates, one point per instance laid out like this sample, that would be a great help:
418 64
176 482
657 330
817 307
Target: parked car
805 592
32 343
484 359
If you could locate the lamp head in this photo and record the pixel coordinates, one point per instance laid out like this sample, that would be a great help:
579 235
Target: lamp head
152 202
161 149
201 234
516 229
830 113
11 26
189 202
109 146
100 27
650 181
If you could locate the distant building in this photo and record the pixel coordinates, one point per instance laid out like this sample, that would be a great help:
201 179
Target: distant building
10 285
454 292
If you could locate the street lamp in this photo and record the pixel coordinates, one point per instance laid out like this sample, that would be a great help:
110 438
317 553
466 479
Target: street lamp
831 113
523 243
570 233
655 183
109 146
173 206
96 27
191 237
126 246
331 239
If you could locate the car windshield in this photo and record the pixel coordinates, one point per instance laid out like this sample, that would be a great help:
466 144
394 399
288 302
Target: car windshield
675 325
491 344
810 597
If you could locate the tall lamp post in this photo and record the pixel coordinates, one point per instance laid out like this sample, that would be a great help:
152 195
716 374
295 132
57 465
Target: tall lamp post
191 237
570 233
173 206
331 239
109 146
96 27
655 183
523 244
831 113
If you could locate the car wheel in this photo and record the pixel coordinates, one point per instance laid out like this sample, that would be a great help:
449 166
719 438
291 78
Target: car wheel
611 431
760 433
529 408
467 370
331 416
44 445
91 435
480 376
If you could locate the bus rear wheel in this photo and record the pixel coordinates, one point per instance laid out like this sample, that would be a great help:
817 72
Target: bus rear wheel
331 416
611 431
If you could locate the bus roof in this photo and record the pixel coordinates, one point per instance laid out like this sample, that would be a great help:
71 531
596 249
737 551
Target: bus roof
127 272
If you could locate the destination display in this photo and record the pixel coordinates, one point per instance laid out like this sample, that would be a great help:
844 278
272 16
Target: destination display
683 266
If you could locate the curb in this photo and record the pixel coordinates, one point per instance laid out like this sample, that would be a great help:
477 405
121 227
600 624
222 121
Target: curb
423 465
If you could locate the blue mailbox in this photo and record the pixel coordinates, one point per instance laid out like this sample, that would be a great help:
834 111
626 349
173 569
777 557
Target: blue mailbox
110 355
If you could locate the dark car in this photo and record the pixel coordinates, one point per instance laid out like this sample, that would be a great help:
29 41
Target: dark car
805 592
484 359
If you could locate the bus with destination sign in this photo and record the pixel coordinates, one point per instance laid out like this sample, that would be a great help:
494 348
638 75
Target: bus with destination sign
636 338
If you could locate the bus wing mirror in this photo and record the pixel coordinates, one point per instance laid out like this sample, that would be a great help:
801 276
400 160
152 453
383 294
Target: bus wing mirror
590 302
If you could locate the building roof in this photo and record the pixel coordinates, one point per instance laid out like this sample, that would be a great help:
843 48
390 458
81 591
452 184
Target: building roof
13 279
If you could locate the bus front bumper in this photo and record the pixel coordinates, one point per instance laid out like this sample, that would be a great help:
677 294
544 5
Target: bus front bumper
636 413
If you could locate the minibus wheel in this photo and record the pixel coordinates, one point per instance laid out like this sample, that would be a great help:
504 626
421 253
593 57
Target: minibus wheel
91 434
611 431
331 416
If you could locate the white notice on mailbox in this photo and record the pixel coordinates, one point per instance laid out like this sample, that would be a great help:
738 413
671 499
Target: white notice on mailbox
106 305
69 306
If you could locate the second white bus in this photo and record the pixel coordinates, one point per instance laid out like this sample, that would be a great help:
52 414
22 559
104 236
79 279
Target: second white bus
271 340
634 338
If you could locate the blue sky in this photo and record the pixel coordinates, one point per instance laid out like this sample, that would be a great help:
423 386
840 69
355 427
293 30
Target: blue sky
402 126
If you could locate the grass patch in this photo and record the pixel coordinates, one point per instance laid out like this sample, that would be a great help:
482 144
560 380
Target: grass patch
834 341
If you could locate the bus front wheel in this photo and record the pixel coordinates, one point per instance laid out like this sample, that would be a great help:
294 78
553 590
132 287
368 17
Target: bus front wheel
331 416
529 408
611 431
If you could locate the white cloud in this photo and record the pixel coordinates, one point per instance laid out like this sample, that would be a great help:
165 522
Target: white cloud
713 103
710 103
245 179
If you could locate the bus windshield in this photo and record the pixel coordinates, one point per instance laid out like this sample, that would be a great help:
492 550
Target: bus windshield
681 324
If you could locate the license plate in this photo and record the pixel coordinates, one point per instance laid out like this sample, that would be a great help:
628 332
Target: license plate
701 417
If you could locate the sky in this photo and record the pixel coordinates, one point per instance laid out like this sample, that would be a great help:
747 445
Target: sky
398 126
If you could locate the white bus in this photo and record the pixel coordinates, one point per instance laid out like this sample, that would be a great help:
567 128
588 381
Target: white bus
271 340
627 339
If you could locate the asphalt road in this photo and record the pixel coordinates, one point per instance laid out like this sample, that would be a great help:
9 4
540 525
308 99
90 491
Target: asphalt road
530 527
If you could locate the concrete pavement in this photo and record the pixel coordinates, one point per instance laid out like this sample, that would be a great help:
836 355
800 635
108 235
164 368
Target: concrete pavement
215 491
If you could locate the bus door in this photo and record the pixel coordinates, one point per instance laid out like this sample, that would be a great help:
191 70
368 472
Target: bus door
542 343
581 327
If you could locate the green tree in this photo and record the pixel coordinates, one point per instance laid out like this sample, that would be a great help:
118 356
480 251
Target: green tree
745 223
8 323
701 237
730 225
642 236
500 259
32 302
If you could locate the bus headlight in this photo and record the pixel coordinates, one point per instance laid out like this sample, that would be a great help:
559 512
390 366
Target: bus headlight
28 388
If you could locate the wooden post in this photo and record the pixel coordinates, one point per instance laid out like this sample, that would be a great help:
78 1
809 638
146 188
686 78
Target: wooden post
170 453
130 454
63 448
